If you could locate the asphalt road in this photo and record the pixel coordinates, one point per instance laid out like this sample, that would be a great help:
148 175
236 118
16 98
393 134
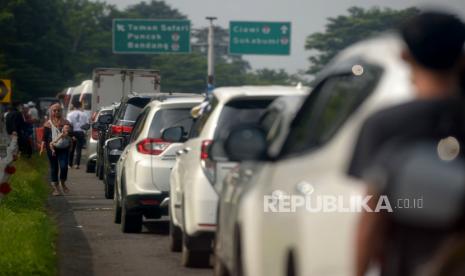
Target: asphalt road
89 243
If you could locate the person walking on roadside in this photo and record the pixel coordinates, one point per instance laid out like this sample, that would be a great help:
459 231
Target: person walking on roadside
28 130
387 141
14 123
33 113
58 156
77 118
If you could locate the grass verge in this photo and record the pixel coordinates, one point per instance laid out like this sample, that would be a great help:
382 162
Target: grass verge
27 233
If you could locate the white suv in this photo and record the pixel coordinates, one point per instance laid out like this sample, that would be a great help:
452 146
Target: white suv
193 200
272 238
143 170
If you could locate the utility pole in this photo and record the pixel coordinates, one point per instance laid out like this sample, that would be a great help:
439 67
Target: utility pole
211 55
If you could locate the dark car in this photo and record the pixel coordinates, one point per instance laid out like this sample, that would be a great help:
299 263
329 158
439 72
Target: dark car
99 132
121 126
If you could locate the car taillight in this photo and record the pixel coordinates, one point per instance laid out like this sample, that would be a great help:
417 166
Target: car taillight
66 101
208 165
116 129
94 133
204 150
152 146
149 202
94 115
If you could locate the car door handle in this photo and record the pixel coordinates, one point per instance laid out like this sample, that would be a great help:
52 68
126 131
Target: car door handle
123 156
186 150
179 152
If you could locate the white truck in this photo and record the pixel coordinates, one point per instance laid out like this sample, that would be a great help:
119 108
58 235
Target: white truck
111 84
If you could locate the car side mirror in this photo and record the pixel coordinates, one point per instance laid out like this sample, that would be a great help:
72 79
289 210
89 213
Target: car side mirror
245 143
98 126
105 119
115 143
173 134
85 127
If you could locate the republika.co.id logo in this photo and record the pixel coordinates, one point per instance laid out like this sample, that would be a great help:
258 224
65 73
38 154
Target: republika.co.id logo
280 202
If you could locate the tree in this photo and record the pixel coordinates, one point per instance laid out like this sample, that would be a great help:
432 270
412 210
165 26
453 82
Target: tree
32 45
181 73
47 46
154 10
345 30
88 31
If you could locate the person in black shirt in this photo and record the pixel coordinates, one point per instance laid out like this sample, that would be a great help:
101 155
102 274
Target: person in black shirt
13 120
14 123
434 52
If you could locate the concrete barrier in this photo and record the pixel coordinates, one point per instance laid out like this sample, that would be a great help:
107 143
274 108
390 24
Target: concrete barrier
6 166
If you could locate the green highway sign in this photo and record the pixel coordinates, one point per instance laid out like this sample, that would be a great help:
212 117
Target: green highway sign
259 38
148 36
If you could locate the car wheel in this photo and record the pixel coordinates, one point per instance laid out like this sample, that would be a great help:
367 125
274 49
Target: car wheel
189 257
194 258
130 222
117 210
104 174
291 269
238 253
175 237
100 174
219 269
97 165
109 188
89 167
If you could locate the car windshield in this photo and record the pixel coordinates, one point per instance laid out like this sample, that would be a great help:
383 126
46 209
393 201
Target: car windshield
169 118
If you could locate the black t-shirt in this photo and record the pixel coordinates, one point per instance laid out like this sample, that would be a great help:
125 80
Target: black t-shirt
415 120
14 121
381 140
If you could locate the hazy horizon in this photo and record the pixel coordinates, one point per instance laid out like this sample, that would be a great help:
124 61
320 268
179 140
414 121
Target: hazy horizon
306 17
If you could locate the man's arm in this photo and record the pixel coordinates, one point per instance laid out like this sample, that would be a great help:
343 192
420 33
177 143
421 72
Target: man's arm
369 236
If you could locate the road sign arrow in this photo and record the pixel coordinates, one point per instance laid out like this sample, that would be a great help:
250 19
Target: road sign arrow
120 28
259 38
5 91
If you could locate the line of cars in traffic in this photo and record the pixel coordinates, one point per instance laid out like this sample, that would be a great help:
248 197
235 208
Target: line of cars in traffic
210 162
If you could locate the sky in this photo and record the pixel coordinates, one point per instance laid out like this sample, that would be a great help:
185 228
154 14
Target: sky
306 17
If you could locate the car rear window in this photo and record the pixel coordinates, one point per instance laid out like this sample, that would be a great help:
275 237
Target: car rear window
133 109
169 118
86 100
238 112
75 100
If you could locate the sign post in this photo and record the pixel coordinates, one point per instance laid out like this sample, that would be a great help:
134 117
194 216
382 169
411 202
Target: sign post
211 56
259 38
5 91
148 36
